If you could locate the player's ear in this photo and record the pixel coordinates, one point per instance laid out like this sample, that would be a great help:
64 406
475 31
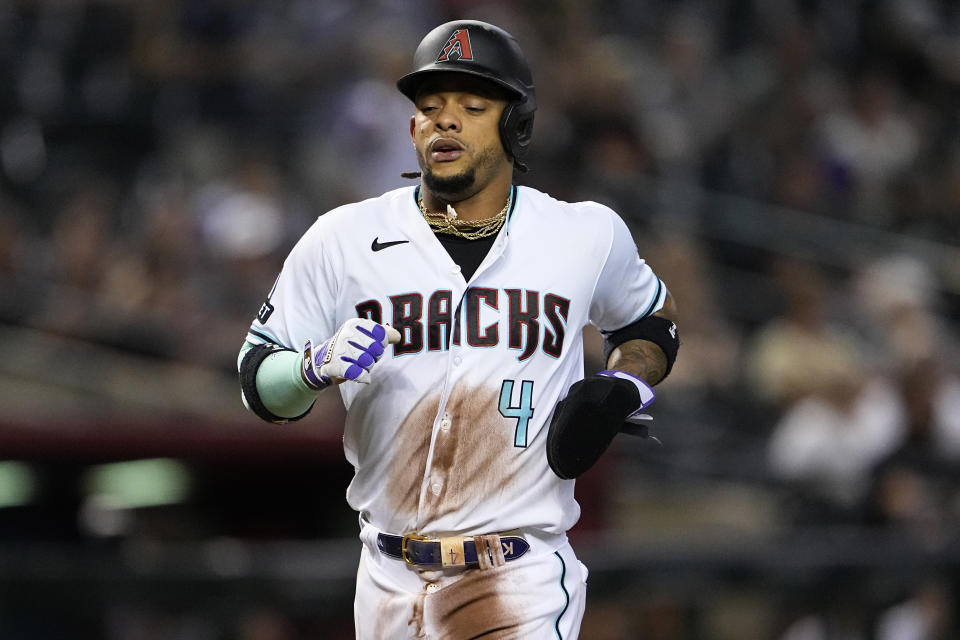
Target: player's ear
413 126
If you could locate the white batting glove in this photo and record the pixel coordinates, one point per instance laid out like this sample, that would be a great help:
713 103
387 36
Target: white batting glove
348 355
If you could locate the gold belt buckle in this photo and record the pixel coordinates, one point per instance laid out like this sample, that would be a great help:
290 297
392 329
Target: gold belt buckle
403 545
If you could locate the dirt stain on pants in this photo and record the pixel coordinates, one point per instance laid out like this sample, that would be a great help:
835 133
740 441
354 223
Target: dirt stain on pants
483 603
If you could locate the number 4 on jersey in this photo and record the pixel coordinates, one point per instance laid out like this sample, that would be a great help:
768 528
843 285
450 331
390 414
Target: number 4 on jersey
523 412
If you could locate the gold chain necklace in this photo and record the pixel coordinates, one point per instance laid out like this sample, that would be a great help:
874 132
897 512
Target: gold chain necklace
448 223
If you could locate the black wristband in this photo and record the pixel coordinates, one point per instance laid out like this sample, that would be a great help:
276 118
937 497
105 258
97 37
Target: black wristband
249 366
655 329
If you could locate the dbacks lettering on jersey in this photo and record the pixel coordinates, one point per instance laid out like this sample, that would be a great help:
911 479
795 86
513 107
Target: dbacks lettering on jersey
528 320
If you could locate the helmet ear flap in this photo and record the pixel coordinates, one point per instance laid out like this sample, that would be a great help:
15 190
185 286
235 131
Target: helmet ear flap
516 131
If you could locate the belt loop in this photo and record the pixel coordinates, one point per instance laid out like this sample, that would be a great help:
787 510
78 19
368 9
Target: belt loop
496 550
490 551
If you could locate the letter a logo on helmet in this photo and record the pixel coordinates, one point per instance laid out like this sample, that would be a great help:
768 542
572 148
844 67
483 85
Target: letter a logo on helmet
458 45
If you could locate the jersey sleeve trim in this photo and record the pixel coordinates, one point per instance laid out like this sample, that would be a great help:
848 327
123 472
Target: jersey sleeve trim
655 305
255 336
658 299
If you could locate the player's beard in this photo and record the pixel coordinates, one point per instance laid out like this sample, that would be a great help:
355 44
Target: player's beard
460 185
449 187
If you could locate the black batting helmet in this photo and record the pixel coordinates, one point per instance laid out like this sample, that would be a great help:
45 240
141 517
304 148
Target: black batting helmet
487 51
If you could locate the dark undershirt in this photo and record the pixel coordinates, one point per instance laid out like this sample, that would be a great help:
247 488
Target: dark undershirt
466 253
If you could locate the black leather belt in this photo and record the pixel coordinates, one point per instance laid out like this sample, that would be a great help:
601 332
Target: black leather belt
456 551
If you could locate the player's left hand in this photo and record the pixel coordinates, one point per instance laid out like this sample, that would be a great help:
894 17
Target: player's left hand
586 421
356 346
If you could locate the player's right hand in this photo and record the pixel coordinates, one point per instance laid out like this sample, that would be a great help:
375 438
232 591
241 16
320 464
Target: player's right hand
356 346
586 421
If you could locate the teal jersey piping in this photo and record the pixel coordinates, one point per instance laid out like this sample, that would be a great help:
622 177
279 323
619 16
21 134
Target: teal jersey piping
656 299
661 294
263 335
514 192
566 594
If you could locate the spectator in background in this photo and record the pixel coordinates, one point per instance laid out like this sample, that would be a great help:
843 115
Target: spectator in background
880 430
771 152
927 613
869 143
827 444
792 356
832 423
838 621
686 100
914 486
895 308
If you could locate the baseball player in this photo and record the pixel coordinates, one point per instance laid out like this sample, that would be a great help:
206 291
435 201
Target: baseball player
449 316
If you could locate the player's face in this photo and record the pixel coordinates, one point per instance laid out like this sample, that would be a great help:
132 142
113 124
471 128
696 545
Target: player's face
456 130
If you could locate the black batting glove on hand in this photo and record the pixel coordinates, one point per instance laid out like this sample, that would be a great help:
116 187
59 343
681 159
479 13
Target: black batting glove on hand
586 421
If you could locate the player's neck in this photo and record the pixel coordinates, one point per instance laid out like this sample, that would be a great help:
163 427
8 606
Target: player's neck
486 203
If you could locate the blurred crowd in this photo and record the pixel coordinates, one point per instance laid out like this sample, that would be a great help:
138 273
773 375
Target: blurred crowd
159 159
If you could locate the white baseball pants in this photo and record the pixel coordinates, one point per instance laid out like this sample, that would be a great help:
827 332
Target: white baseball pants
538 596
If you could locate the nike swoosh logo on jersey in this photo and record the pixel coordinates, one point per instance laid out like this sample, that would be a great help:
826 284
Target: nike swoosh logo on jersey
377 246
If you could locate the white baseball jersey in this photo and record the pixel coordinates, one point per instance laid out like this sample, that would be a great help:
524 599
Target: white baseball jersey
449 437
